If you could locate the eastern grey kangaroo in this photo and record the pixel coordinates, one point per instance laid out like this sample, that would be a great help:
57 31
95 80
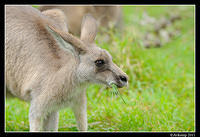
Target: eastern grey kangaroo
51 68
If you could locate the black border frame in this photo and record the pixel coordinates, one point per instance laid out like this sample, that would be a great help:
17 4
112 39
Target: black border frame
135 2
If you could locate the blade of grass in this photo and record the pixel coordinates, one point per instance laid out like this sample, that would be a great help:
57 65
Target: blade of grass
116 91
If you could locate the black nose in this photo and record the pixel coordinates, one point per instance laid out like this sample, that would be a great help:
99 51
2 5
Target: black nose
123 78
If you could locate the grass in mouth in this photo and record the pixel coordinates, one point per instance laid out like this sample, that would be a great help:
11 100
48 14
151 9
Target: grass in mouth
116 91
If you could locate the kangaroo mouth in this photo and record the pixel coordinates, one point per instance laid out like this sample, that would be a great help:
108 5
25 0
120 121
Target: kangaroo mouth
119 85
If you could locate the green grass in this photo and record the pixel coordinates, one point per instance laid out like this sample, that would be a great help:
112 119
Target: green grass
160 95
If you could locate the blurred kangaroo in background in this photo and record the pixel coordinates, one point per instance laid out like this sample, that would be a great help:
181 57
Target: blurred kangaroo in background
50 68
106 16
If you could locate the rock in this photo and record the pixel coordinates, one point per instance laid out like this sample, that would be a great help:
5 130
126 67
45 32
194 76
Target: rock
164 35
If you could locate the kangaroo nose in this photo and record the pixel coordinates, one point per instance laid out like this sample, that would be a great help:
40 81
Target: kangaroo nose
123 78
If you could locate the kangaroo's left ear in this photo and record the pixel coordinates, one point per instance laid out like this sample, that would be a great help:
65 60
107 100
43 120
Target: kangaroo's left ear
69 38
59 17
88 29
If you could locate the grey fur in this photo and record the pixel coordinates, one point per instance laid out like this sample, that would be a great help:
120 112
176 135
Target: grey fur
39 70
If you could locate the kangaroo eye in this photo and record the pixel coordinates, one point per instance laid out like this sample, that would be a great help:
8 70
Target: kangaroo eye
99 62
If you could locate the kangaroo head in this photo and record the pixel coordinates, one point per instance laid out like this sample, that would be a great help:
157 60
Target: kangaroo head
95 65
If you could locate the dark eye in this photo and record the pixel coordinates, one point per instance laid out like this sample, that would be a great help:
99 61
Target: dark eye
99 62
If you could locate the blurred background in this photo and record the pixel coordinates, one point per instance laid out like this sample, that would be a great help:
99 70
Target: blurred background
154 45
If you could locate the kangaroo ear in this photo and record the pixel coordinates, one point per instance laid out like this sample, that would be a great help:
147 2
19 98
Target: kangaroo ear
69 38
88 28
59 17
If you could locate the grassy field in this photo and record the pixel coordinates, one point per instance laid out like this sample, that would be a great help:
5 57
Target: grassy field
160 95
